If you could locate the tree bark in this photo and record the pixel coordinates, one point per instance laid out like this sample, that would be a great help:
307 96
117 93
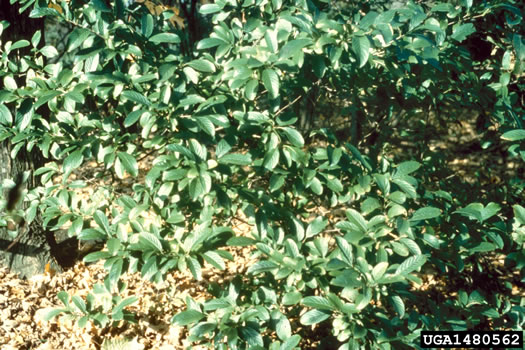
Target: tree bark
31 250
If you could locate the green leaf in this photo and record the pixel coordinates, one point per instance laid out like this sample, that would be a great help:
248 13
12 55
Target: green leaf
519 214
252 336
214 259
425 214
514 135
291 298
291 342
462 31
187 317
202 66
79 303
483 247
262 266
95 256
195 268
147 25
126 302
271 82
318 302
114 272
10 83
406 187
293 47
357 219
171 38
6 118
294 136
135 97
129 162
410 264
52 313
361 47
49 51
236 159
270 36
283 328
150 240
314 316
208 9
271 159
316 226
346 250
73 161
208 43
408 167
250 90
379 270
399 305
240 242
63 297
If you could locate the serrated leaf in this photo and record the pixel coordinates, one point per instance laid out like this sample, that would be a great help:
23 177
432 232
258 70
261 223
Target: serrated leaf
129 162
171 38
314 316
361 47
425 214
271 82
410 264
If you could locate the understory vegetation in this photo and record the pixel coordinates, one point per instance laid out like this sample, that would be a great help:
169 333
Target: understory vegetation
314 121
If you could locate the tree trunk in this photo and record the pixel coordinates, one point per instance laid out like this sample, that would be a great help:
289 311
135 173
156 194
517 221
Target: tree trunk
31 250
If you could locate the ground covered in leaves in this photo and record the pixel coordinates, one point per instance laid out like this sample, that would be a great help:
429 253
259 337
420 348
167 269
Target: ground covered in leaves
23 303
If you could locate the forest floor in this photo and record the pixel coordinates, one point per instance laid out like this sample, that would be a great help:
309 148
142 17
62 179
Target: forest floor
24 303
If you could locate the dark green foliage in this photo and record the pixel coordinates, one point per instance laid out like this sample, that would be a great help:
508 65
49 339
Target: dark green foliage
343 229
